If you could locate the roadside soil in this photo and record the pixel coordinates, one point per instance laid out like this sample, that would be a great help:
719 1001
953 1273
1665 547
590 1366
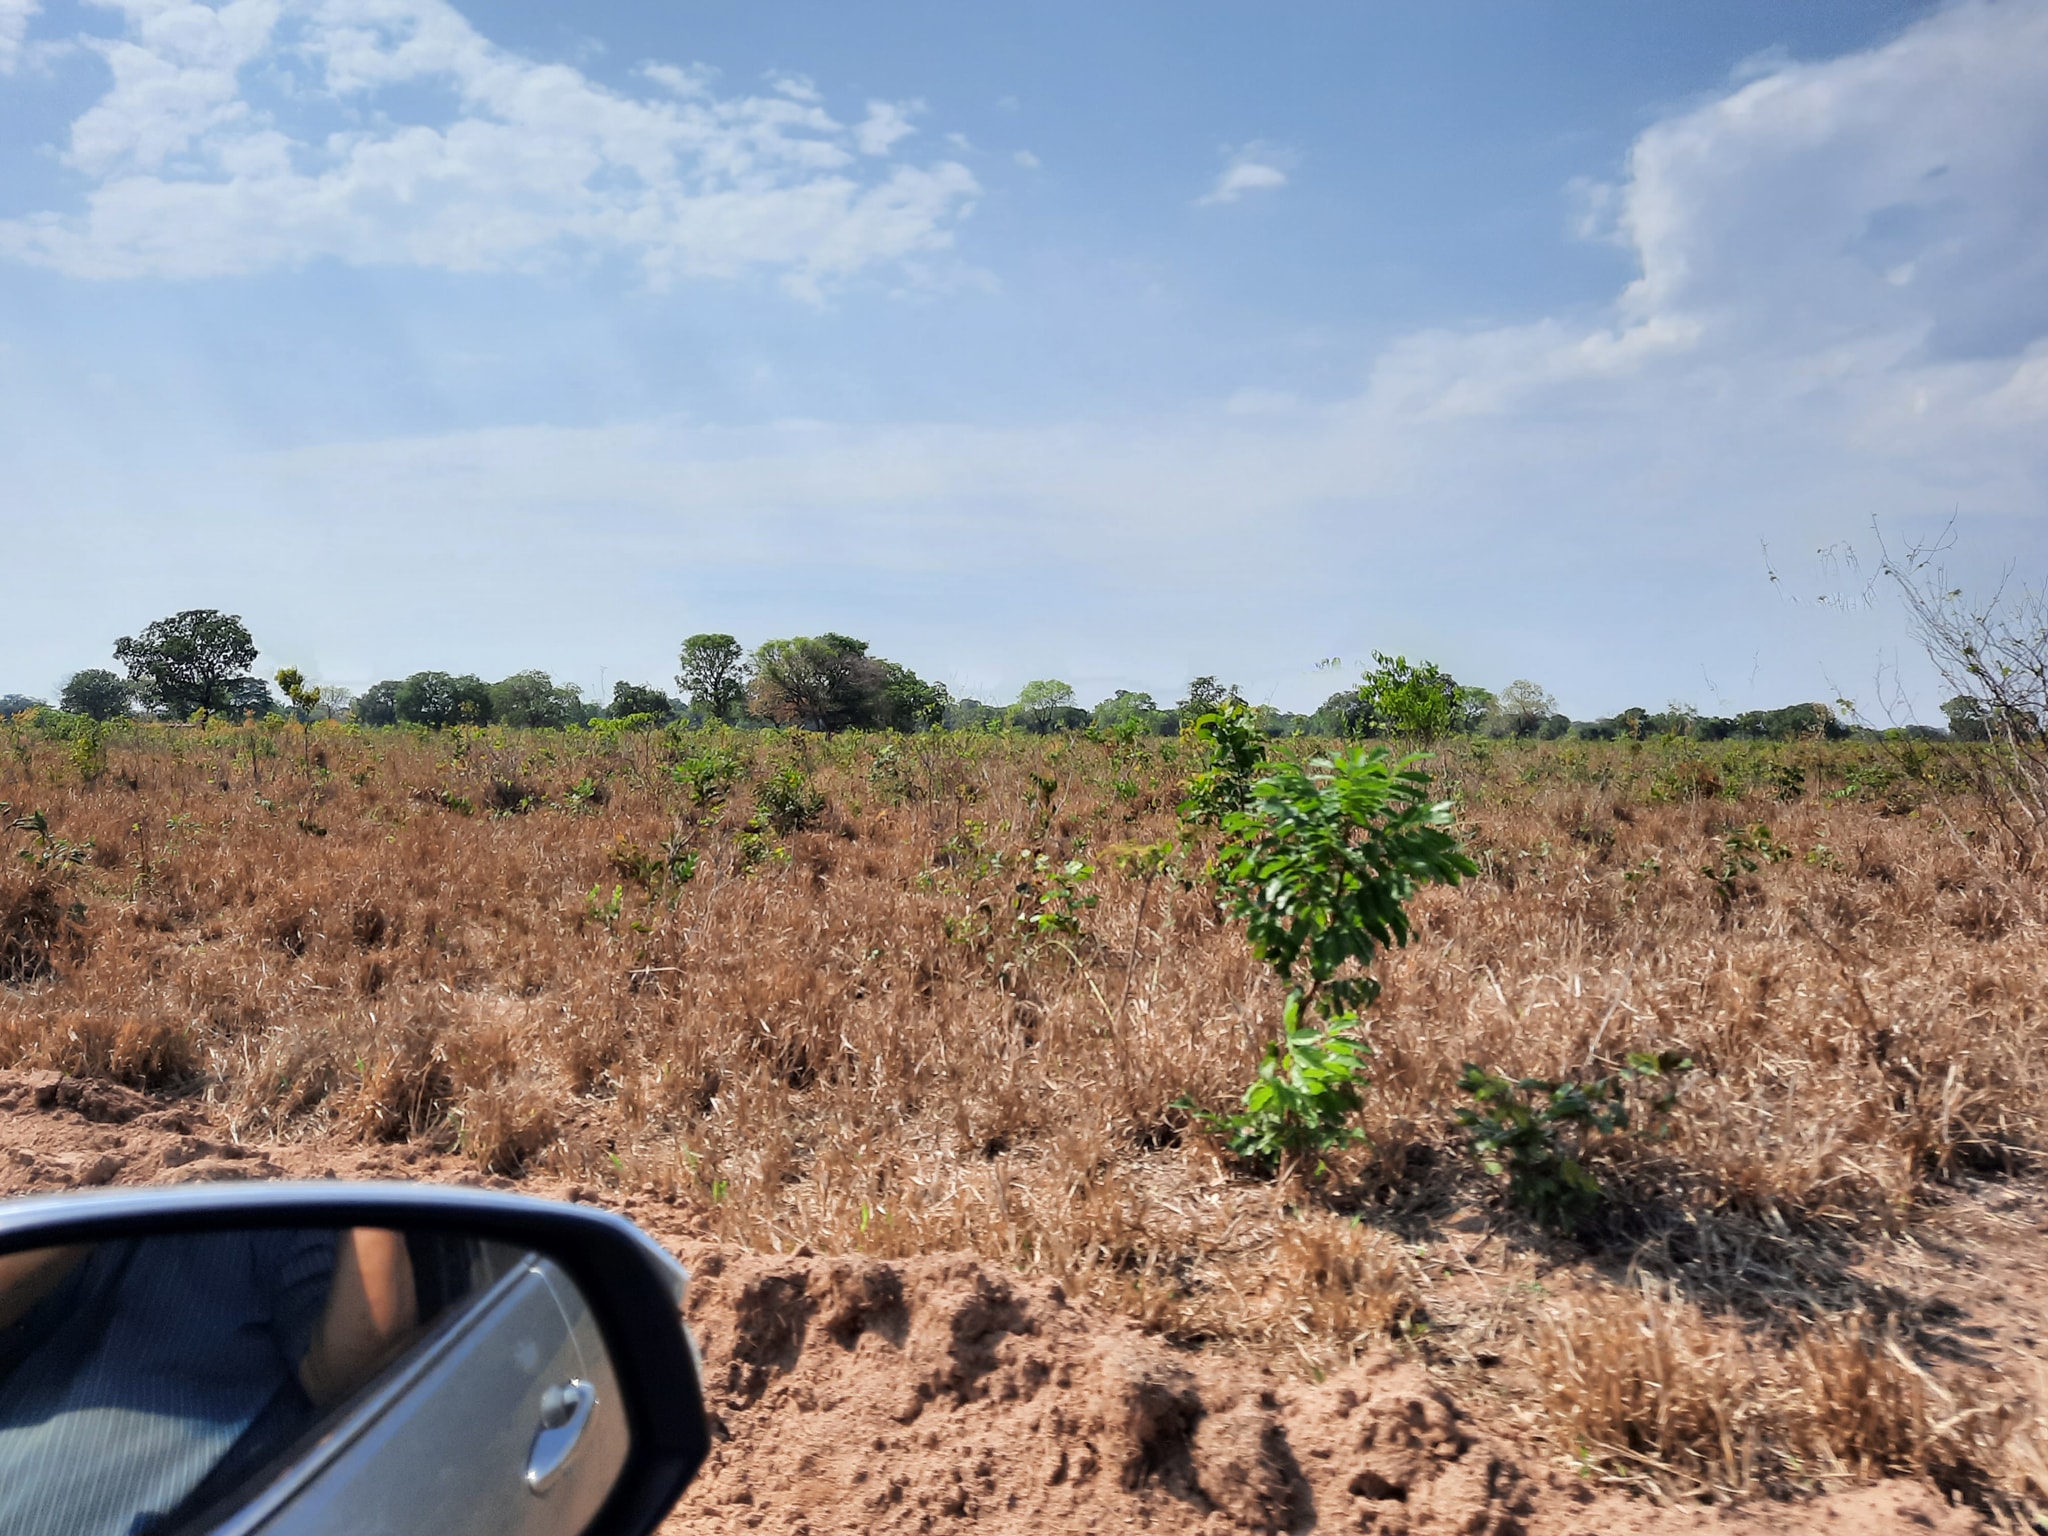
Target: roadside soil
940 1393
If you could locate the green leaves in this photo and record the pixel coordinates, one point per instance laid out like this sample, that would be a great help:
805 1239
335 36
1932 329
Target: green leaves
1308 1087
1415 699
1052 896
1534 1130
1237 750
1321 863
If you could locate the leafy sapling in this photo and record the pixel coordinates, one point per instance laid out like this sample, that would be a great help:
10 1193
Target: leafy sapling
1320 863
1310 1083
1236 751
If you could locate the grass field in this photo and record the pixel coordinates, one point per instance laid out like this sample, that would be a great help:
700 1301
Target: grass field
913 994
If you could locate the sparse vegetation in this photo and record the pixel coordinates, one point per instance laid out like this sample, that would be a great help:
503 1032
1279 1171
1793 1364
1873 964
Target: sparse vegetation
950 1002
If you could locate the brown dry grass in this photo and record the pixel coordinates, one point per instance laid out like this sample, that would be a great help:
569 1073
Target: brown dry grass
842 1037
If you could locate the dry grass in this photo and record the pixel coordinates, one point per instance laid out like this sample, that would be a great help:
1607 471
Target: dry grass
841 1036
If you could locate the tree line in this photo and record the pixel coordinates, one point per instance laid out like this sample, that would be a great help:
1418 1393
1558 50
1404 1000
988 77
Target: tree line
195 665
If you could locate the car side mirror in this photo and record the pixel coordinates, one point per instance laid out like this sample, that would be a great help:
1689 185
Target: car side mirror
326 1358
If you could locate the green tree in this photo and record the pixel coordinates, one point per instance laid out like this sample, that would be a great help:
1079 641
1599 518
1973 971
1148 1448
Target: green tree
98 693
1205 696
1320 864
1234 751
973 715
1521 710
379 703
183 664
633 699
1140 711
908 702
1418 700
304 697
713 675
247 696
1042 705
1343 714
821 683
12 704
534 700
1968 718
1473 709
437 699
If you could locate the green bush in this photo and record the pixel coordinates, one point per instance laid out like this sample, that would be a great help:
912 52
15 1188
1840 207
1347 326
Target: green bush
1319 864
788 803
1537 1130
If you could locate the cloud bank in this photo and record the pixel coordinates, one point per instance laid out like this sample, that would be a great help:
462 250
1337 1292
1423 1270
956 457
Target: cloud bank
1838 308
266 133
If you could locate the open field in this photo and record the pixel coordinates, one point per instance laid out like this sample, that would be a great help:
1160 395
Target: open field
776 990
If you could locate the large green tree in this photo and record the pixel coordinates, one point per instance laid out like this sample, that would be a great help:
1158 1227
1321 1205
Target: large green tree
1205 696
713 675
437 699
908 702
1127 709
1043 705
379 703
633 699
1968 718
535 700
1521 710
184 664
97 692
822 683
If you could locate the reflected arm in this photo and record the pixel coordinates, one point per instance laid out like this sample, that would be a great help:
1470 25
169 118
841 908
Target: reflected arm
372 1310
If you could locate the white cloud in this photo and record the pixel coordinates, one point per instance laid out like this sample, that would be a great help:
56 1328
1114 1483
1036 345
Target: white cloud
1028 160
682 79
14 19
1577 498
888 121
1764 377
198 162
1257 167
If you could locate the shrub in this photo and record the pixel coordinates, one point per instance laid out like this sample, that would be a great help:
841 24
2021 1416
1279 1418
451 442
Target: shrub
1300 1105
1320 866
1322 863
788 803
1417 699
1236 748
1537 1130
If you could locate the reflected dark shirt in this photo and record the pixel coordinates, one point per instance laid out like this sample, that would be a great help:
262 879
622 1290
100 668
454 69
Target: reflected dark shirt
120 1390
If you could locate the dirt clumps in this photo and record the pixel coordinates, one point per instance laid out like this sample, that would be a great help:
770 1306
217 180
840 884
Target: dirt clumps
939 1393
861 1395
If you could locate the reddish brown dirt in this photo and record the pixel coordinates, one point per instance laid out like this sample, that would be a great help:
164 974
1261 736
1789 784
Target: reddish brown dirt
853 1395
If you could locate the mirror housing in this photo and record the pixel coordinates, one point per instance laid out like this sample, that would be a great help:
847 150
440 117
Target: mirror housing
632 1286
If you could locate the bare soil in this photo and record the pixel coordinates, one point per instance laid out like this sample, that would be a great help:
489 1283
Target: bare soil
941 1392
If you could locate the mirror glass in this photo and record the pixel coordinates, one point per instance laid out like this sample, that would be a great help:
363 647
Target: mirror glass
292 1380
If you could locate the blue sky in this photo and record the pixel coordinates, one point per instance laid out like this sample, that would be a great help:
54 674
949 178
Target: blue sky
1113 343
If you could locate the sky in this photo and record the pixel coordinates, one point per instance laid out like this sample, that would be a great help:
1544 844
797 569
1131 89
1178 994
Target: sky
1118 344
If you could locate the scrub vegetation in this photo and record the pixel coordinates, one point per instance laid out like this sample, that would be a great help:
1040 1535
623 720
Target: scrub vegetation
1665 1058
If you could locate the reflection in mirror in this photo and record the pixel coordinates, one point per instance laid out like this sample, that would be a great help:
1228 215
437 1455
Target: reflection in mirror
284 1380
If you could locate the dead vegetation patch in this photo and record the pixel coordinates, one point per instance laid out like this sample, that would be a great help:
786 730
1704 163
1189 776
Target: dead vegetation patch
810 1010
